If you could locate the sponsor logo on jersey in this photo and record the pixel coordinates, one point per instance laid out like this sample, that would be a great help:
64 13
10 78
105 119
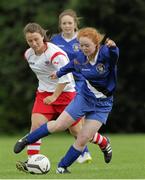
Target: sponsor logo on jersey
46 62
83 69
56 63
60 45
100 68
31 63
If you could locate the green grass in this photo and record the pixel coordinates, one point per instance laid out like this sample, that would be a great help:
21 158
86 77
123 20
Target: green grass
128 158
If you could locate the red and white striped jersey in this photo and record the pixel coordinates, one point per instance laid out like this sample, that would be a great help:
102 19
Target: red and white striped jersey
43 65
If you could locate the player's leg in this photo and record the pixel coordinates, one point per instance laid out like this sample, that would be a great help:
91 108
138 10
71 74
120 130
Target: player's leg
74 129
103 108
105 146
37 120
62 123
41 113
100 140
79 110
85 156
85 135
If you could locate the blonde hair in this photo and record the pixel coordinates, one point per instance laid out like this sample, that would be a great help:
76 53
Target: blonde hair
34 27
92 34
71 13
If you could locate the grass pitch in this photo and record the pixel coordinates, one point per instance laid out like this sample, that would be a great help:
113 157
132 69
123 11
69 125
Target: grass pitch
128 160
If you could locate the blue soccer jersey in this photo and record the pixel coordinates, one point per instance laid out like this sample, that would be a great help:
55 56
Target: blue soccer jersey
99 79
94 98
70 47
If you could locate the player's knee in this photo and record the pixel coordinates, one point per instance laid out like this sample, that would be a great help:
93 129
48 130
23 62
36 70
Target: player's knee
74 130
36 125
83 139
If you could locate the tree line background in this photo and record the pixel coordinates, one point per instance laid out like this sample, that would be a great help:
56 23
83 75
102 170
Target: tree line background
122 21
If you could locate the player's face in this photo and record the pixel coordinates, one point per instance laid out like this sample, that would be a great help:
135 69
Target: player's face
35 41
67 24
87 46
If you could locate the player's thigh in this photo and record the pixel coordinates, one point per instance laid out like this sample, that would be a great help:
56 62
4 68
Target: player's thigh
63 122
76 126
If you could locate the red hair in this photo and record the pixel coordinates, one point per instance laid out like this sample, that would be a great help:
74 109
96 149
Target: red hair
92 34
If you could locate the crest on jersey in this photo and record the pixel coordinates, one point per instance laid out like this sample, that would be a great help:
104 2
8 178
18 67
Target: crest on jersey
76 47
100 68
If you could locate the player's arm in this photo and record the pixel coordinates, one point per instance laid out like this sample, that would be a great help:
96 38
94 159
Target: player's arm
63 70
113 50
69 67
59 62
63 66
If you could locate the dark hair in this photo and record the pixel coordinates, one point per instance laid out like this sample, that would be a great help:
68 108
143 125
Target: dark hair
71 13
34 27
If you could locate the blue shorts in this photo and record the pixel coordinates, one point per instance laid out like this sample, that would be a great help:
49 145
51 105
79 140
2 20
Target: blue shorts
98 110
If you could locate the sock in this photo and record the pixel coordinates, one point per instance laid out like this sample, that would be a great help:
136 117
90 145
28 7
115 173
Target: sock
34 136
85 150
100 140
34 148
71 155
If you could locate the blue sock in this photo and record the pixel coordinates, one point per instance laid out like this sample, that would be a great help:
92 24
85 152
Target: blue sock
42 131
71 155
85 150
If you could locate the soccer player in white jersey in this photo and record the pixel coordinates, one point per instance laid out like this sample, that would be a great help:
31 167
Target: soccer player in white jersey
67 40
97 65
52 96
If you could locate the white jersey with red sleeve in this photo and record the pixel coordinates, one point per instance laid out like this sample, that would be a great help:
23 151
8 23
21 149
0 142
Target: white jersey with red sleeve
43 65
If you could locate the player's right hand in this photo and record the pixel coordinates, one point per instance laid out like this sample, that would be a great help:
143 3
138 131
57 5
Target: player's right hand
53 75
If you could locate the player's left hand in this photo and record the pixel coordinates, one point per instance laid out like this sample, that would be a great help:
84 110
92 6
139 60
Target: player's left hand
110 43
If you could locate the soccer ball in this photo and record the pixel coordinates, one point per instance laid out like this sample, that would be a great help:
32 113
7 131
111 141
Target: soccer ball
38 164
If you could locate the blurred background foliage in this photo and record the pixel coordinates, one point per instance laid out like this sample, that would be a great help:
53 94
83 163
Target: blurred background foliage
122 21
